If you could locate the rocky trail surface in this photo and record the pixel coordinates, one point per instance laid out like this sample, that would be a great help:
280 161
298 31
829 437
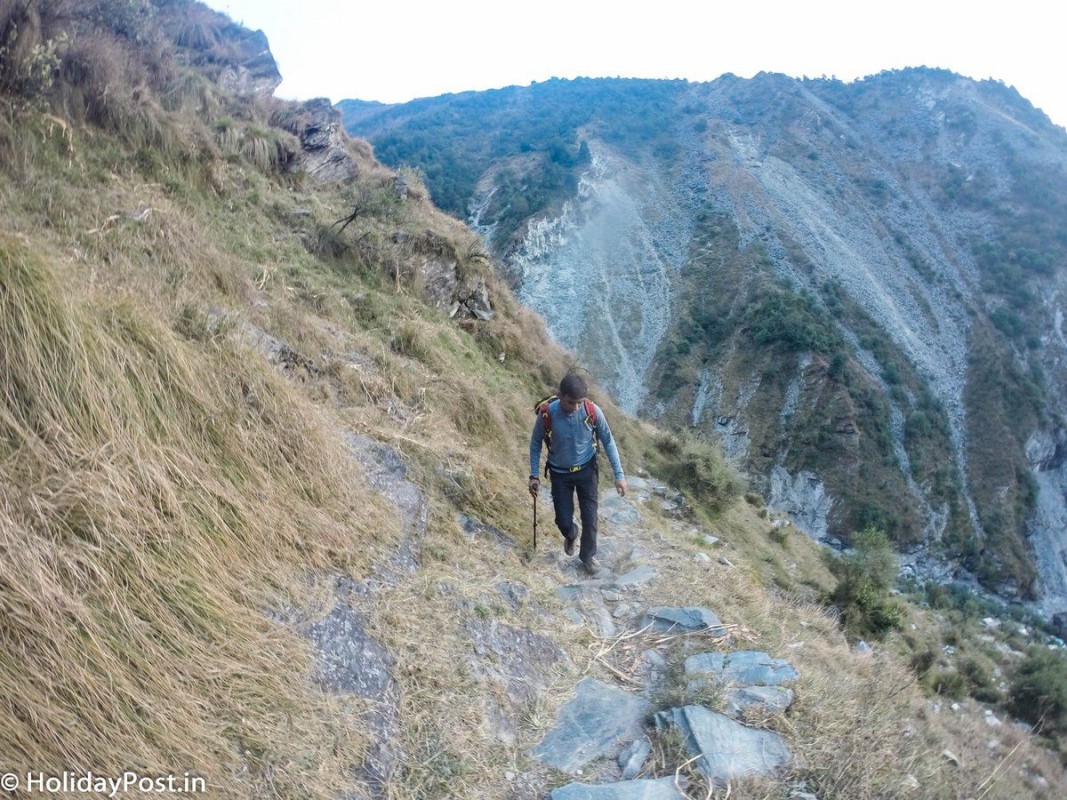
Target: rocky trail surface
607 740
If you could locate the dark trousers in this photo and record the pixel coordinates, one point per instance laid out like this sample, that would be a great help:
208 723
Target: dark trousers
583 483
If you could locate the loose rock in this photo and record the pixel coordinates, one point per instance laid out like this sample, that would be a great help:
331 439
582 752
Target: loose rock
592 725
727 749
661 789
682 620
741 668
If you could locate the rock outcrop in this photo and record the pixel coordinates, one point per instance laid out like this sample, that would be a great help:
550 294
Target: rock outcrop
253 71
726 748
324 151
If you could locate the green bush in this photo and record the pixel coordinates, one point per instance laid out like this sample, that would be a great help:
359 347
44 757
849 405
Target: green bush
1039 690
699 468
947 683
865 576
792 322
979 676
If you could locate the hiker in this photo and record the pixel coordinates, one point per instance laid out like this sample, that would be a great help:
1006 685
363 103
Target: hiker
574 428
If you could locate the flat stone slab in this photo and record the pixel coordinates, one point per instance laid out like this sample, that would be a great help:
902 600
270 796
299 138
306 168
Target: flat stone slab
386 472
593 725
727 749
637 576
660 789
618 510
741 668
772 699
682 620
349 658
521 661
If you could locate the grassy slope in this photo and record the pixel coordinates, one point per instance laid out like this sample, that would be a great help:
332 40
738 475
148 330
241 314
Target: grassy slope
164 486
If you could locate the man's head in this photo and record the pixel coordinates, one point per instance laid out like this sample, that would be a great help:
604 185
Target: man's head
572 390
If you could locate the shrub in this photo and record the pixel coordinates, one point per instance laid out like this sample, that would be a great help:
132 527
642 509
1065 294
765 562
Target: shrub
1039 690
947 683
698 467
922 661
791 322
865 575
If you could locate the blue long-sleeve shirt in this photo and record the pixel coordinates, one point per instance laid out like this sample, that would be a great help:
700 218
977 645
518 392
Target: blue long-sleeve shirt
572 440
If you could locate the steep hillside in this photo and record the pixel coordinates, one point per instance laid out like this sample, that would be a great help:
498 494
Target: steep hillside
857 288
263 514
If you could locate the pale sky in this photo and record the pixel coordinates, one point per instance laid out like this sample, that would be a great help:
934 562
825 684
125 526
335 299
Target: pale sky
397 50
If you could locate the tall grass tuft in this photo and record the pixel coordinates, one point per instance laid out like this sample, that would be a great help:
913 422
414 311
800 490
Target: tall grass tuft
149 512
700 468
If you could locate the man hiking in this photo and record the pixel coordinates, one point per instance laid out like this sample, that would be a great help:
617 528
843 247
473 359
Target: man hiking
574 428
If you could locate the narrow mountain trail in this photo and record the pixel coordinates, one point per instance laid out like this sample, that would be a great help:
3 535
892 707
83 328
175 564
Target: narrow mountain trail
602 737
601 742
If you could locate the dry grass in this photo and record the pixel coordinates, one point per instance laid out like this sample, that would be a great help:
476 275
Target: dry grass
150 512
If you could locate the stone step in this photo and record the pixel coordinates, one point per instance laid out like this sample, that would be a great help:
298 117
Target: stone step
597 723
741 668
660 789
726 748
664 619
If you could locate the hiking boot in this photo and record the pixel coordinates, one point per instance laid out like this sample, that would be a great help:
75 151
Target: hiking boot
568 545
591 566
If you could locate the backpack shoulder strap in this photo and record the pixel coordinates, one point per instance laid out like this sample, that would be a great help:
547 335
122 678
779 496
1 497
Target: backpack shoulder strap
541 409
590 420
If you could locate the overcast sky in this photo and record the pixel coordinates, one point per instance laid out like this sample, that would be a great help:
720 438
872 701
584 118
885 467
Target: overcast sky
396 50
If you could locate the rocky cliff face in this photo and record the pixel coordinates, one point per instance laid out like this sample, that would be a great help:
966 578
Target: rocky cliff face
601 271
857 288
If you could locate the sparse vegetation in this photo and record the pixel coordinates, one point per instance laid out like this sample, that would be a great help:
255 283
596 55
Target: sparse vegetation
1039 690
699 468
865 576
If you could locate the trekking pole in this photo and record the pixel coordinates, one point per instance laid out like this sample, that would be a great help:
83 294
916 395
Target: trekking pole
535 523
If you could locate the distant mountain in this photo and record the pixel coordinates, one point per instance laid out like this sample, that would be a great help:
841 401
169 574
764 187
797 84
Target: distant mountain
859 288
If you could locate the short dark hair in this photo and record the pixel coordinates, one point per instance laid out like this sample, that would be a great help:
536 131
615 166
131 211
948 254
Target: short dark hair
573 386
